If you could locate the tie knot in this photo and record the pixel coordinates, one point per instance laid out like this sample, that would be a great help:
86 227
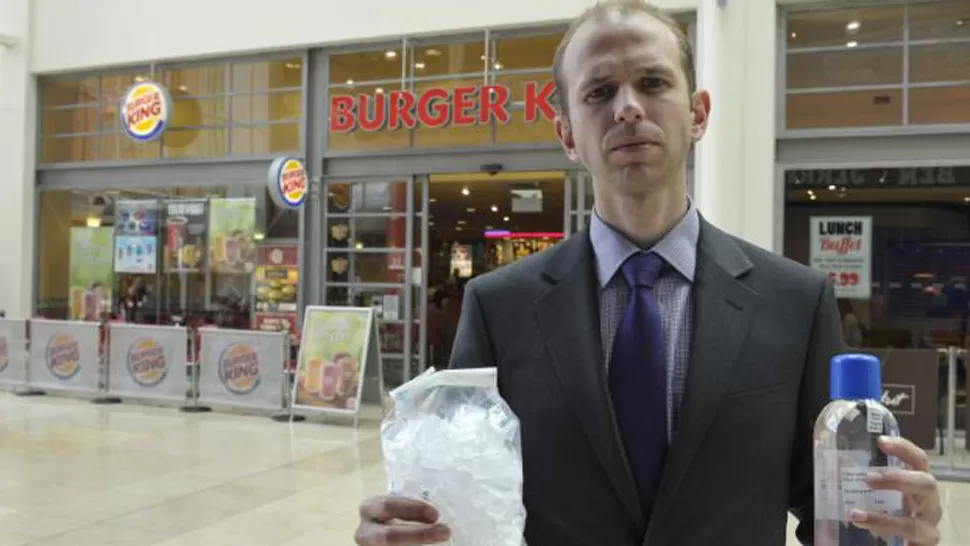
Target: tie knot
642 269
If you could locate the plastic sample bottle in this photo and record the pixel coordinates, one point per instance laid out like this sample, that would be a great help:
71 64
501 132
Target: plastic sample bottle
846 449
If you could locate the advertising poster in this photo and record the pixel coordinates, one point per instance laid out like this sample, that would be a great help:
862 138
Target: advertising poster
277 275
146 361
185 236
136 217
135 253
232 226
91 272
333 352
842 248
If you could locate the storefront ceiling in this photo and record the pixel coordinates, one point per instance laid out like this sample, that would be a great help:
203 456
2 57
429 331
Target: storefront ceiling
882 195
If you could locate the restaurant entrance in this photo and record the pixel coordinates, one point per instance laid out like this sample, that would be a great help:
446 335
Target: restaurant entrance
408 246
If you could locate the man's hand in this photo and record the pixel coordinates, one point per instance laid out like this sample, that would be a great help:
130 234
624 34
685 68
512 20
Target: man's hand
921 497
393 521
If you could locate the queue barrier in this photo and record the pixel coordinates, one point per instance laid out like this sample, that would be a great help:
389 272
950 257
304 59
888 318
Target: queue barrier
65 356
147 362
242 368
13 352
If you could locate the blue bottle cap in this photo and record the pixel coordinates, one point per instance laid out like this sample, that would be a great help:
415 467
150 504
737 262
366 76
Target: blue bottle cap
855 376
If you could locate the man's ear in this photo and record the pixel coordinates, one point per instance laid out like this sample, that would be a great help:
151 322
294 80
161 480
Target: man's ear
700 109
565 134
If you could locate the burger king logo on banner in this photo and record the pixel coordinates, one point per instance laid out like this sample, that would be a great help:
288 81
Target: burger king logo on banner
63 356
146 362
145 111
288 183
4 355
239 368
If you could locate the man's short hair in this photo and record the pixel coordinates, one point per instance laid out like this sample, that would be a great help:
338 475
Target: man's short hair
624 7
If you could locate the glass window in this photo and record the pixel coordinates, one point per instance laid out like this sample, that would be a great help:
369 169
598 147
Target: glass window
80 117
939 105
837 28
267 75
529 52
845 109
383 64
846 67
131 241
936 20
939 62
447 59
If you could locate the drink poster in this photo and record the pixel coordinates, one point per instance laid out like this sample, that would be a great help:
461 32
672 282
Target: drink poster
91 272
333 353
136 253
842 248
185 236
232 227
277 275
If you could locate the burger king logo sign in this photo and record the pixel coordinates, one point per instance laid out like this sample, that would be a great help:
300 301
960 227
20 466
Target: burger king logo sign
239 368
145 111
63 356
146 362
288 183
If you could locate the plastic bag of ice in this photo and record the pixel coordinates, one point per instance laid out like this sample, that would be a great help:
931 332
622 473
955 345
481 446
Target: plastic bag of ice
451 440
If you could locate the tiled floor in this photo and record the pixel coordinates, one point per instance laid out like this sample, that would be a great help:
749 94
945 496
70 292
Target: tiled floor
76 474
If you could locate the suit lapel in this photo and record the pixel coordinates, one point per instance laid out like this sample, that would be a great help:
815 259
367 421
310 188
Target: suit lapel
723 307
568 316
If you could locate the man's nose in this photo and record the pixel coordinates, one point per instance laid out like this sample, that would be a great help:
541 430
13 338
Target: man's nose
627 107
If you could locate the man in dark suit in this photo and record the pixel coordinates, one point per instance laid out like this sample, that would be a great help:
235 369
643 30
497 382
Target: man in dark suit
666 374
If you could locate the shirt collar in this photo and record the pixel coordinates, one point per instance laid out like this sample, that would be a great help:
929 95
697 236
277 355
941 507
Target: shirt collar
678 247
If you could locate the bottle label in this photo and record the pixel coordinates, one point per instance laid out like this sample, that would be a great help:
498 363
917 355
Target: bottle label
874 422
841 487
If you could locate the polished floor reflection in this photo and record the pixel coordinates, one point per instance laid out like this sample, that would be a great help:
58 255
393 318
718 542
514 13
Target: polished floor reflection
76 474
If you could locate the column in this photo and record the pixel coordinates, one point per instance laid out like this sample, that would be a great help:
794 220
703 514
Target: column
17 122
734 178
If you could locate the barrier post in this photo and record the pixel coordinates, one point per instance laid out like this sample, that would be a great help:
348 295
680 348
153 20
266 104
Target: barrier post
951 405
103 381
194 365
286 413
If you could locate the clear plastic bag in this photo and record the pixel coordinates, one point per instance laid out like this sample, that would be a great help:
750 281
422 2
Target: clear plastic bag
452 441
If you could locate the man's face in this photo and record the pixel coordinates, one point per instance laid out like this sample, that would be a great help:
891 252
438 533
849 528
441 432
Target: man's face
630 118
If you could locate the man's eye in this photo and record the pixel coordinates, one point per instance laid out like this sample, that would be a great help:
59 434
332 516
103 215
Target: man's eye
600 93
653 84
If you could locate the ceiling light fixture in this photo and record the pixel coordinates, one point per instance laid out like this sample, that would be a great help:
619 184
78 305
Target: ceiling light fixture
505 219
390 54
852 43
853 26
494 208
419 65
433 52
350 82
465 191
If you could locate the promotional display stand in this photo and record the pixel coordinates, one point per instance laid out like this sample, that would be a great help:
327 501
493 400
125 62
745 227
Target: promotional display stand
339 364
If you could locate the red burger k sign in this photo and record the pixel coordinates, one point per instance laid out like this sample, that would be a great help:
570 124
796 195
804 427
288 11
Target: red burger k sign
438 107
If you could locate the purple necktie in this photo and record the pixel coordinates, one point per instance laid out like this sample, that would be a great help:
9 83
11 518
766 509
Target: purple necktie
638 378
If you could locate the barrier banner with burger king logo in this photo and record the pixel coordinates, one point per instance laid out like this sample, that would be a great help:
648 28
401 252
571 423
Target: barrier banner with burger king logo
147 361
13 347
242 368
64 355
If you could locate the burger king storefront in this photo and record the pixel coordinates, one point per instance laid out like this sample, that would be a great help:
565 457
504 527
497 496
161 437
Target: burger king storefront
165 194
439 163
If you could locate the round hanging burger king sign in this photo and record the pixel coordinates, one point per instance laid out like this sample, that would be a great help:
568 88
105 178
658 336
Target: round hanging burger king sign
239 368
145 111
63 356
288 182
146 362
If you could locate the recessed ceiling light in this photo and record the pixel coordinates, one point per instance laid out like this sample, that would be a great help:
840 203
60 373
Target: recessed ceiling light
853 26
461 222
832 187
432 52
379 90
433 200
505 219
419 65
470 209
852 43
465 191
494 208
966 199
350 82
498 66
961 22
390 54
794 35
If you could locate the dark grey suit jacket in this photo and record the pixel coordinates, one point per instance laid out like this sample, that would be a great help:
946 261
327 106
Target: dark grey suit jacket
741 456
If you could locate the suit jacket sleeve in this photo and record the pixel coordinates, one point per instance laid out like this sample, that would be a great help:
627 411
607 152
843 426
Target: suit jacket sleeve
826 341
472 347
